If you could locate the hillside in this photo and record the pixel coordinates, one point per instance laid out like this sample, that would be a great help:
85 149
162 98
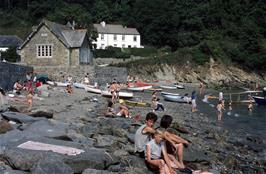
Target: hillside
232 31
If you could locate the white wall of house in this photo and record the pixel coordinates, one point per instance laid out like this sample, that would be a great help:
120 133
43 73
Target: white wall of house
117 40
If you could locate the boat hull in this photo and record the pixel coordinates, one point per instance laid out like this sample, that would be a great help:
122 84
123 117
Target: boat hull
92 90
121 94
260 100
178 99
135 103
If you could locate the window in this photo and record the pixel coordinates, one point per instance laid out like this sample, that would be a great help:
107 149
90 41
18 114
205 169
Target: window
129 46
123 37
115 45
123 46
102 36
135 38
115 37
44 51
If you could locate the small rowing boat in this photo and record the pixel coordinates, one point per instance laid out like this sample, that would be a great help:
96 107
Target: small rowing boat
139 88
168 87
60 84
169 93
172 98
121 94
92 89
135 103
259 100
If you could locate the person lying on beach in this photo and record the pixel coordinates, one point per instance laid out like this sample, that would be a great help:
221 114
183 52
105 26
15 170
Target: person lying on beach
143 134
156 156
110 112
174 143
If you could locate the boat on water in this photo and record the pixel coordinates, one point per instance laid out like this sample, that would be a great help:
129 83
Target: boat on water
92 89
139 88
169 93
154 89
60 84
173 98
135 103
244 97
121 94
259 100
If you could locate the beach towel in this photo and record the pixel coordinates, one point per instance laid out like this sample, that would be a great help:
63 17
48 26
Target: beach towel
32 145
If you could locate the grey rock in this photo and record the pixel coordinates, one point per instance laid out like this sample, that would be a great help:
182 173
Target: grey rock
5 127
44 114
15 172
94 171
104 140
131 138
193 154
19 117
120 153
51 166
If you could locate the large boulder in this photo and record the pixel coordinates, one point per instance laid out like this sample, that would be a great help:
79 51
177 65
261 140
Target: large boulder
42 114
94 171
51 166
193 154
5 127
24 159
19 117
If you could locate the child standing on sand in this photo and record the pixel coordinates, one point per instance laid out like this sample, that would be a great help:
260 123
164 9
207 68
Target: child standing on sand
219 110
30 99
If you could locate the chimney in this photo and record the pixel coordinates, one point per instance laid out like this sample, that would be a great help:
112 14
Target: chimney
102 24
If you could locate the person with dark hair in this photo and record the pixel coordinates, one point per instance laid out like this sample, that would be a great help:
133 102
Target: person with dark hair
143 134
175 141
17 87
110 112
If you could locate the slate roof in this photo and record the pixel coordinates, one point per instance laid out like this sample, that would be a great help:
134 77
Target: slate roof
10 40
69 37
115 29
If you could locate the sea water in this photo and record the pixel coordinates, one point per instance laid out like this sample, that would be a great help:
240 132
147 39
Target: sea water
239 119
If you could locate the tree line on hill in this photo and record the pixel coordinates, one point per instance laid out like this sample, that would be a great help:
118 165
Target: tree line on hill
228 30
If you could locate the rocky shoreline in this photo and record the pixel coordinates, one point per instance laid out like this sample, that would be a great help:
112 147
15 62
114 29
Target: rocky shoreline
77 121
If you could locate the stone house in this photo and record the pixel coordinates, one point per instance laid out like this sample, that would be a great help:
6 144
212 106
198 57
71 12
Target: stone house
116 36
54 45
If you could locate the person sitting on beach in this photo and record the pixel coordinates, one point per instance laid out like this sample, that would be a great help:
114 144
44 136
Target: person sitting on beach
17 87
69 89
174 143
143 134
110 112
123 111
86 80
156 156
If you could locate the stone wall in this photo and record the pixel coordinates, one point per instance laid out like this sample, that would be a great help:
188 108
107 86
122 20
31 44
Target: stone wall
101 75
44 36
9 73
105 75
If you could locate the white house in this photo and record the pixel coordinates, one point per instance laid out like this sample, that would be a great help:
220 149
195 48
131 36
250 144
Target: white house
116 36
